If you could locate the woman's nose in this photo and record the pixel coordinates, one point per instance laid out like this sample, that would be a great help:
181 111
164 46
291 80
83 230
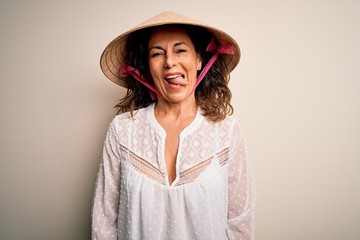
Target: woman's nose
170 60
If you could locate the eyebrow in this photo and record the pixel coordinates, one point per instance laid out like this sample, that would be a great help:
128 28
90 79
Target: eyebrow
160 48
179 43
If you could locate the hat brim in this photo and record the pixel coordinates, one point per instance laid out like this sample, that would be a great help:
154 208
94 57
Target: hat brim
112 57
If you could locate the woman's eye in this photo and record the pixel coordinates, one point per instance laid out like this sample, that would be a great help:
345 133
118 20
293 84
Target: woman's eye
155 54
180 50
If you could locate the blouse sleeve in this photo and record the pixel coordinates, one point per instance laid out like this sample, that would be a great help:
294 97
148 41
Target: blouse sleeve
241 192
106 196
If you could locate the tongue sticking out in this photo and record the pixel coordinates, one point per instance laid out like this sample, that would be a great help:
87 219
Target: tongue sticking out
176 80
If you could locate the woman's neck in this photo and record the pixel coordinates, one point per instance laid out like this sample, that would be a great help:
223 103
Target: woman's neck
175 115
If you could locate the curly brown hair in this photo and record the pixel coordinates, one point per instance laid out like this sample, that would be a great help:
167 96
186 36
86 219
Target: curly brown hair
212 95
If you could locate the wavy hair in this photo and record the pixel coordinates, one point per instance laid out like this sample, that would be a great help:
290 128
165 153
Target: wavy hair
212 95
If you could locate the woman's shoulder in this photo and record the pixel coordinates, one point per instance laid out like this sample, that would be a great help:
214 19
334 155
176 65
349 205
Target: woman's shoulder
228 122
134 117
231 126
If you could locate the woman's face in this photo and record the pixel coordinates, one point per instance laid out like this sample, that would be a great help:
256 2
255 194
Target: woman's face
173 63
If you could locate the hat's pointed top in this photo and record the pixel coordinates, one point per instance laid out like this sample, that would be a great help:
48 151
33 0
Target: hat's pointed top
168 17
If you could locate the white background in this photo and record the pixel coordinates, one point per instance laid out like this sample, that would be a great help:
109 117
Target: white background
295 92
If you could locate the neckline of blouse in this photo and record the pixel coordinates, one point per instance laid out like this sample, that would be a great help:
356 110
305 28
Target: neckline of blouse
186 131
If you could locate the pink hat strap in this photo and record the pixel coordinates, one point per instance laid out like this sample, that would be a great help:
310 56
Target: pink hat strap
125 70
224 49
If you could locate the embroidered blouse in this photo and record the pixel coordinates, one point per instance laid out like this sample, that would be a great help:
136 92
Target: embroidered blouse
212 196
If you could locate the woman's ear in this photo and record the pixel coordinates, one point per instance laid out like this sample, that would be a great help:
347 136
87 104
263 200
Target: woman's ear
198 63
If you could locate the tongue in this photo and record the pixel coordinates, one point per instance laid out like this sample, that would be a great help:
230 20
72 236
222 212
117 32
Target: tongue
178 81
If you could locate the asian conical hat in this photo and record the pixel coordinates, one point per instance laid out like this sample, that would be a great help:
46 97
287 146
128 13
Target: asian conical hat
112 57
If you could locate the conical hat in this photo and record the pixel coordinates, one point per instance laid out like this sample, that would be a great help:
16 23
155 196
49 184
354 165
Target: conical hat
112 57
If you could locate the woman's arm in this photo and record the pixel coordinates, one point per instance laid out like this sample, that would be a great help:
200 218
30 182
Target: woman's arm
106 197
241 192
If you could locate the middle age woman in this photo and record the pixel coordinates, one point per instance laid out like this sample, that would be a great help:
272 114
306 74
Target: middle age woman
174 163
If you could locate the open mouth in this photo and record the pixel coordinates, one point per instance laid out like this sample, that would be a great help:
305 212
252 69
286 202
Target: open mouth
176 79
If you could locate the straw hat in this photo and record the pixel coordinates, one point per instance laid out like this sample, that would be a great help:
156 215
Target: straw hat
111 59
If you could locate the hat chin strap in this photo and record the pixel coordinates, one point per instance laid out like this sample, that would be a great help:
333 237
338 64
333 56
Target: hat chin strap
212 47
126 70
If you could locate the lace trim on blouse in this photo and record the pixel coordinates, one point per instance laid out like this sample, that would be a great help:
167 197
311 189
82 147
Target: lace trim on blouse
144 167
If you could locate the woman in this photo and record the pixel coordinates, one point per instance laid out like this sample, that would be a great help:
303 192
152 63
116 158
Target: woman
174 163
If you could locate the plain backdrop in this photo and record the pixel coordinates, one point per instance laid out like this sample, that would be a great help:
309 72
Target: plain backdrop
296 93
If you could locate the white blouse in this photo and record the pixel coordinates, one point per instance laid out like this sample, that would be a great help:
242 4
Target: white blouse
212 196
